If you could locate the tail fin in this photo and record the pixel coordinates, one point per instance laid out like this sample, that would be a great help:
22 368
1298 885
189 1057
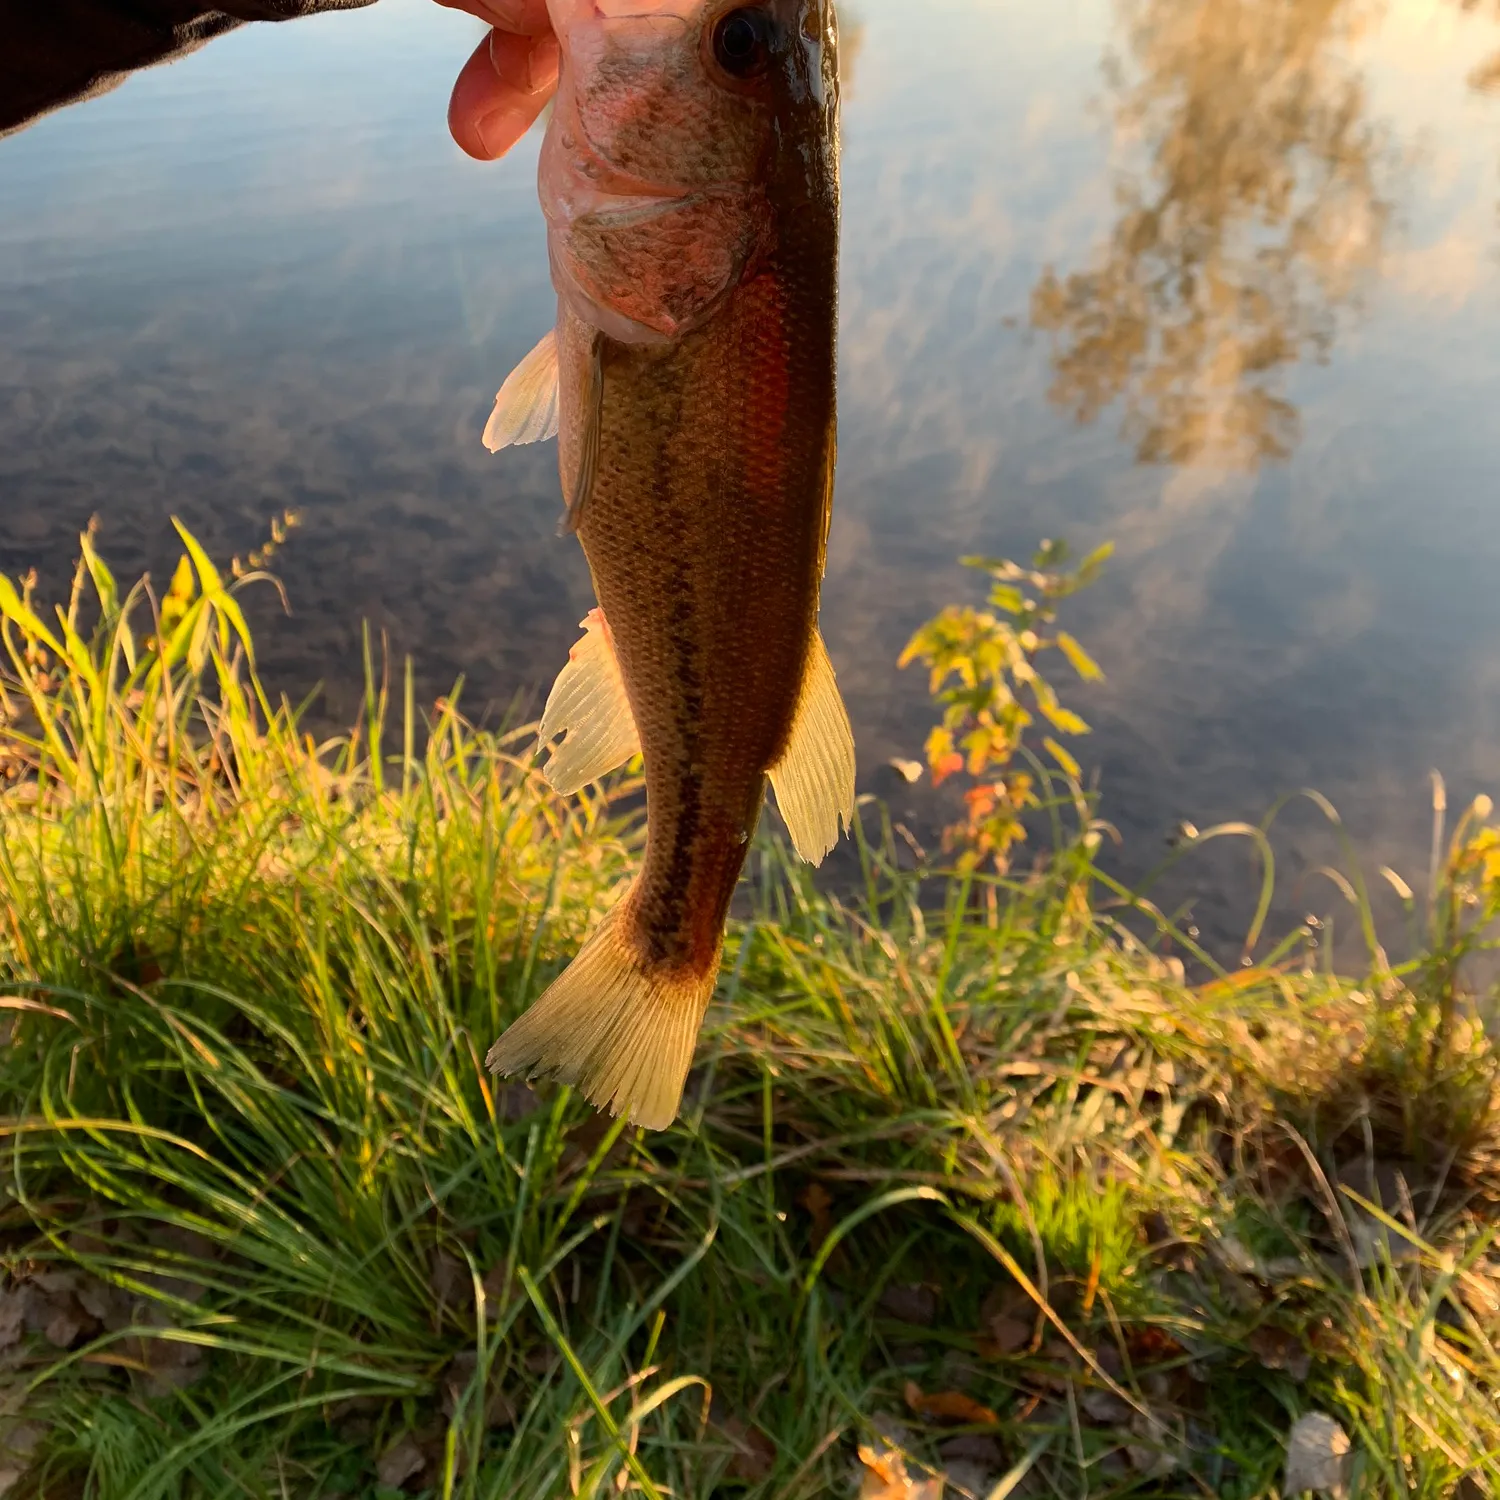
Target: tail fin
622 1034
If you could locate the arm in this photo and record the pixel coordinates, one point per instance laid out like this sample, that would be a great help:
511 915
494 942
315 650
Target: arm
53 52
59 51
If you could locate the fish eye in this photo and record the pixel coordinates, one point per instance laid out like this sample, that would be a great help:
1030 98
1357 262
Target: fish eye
742 42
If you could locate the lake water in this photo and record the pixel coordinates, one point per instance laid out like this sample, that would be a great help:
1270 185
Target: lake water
1218 280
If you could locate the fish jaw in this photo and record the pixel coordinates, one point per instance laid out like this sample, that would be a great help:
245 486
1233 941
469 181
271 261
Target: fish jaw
657 167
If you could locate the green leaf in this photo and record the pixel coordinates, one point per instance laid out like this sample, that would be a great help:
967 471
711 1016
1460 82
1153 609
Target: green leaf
1008 597
104 580
13 607
208 575
998 567
1089 568
1061 756
77 655
1064 719
214 591
1084 664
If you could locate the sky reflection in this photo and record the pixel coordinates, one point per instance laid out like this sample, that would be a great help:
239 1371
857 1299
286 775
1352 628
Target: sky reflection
1215 279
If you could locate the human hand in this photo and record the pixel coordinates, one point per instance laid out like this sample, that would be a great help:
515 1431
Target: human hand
506 84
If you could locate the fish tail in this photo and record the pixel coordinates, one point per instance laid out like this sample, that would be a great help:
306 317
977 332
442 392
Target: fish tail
619 1030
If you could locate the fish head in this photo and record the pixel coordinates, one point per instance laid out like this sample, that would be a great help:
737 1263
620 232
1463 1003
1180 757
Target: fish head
684 135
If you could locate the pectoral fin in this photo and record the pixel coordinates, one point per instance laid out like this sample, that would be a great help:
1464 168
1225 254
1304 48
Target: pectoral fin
588 701
814 779
526 408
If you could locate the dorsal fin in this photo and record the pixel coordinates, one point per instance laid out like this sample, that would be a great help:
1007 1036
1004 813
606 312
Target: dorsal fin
814 779
588 701
526 408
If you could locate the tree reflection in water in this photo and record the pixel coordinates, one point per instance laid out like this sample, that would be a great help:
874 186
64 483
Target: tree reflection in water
1253 206
1485 79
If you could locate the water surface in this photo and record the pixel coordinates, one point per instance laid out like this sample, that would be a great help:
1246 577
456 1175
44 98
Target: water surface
1214 279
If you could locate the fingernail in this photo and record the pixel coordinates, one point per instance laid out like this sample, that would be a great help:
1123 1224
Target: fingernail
507 13
497 131
542 63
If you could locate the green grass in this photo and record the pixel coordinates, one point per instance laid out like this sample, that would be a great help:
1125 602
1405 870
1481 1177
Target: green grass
270 1230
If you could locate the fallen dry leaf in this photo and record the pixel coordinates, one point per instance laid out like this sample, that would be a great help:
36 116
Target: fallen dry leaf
974 1448
499 1286
754 1452
14 1303
1277 1349
21 1440
1004 1337
173 1365
1152 1453
107 1303
399 1463
1167 1248
65 1325
1151 1345
448 1278
816 1200
17 1444
516 1100
1317 1457
459 1377
56 1281
1104 1407
1007 1322
585 1138
948 1406
1235 1256
966 1480
883 1476
909 1304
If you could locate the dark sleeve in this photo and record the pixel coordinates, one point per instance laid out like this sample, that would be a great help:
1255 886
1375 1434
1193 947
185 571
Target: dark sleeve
53 52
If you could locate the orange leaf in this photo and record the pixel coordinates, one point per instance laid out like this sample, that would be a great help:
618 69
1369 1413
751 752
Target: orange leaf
946 766
883 1476
815 1199
1151 1343
949 1406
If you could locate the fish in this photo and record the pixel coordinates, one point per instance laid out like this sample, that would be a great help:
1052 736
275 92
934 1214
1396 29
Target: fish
690 185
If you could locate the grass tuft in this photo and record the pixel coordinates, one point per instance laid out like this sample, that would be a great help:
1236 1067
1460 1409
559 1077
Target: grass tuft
965 1168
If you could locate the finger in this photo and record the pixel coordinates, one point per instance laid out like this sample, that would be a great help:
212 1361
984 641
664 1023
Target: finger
502 89
524 17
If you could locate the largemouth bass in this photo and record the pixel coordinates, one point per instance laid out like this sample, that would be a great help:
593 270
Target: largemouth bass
689 179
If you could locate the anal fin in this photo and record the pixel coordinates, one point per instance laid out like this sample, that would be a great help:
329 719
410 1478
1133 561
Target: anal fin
621 1031
589 703
814 779
526 409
